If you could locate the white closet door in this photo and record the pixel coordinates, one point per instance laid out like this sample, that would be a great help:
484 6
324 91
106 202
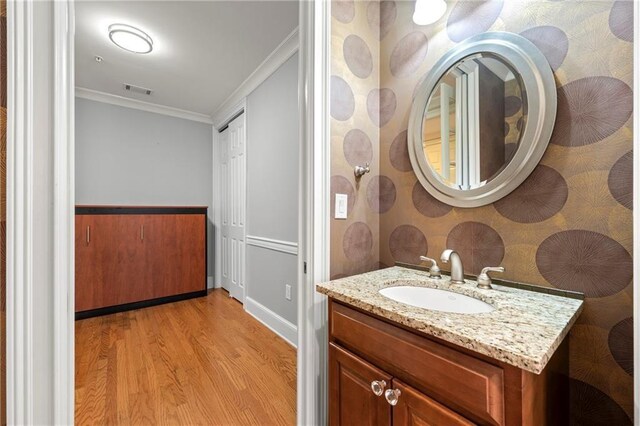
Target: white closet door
233 144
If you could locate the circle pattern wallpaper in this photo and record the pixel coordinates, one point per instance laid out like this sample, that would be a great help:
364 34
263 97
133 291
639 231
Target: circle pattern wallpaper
568 226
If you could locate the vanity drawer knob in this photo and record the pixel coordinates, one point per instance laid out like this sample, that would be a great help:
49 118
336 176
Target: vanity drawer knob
392 396
377 387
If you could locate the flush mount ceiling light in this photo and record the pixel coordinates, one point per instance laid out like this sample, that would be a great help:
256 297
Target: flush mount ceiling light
429 11
130 38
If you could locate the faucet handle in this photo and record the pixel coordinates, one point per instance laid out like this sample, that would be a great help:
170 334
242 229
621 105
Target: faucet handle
434 270
484 280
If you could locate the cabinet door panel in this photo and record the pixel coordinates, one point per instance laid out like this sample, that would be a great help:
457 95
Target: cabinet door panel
90 275
130 283
351 401
416 409
107 256
175 248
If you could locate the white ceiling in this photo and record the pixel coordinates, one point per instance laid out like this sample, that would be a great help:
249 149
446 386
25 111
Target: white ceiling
202 52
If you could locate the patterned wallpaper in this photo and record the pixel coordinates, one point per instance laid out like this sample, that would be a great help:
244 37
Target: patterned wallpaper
569 225
355 136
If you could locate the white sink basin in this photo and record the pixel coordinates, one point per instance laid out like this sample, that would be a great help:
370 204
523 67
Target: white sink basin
436 299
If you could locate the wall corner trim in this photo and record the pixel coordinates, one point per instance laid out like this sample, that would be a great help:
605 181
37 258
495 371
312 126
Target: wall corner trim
273 321
279 56
108 98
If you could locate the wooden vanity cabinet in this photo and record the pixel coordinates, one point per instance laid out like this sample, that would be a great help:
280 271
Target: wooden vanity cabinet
440 384
130 257
352 401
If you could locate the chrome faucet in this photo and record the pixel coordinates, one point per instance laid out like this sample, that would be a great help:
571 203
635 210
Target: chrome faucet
457 270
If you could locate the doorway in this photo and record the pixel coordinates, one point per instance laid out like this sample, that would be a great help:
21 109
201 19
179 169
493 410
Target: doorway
31 398
146 130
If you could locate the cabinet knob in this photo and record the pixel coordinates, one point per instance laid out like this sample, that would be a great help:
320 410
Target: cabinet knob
377 387
392 396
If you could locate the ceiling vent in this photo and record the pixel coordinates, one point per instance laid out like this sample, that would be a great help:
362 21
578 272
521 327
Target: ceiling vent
136 89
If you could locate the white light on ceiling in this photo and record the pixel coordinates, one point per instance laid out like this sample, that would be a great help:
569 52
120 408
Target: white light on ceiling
429 11
130 38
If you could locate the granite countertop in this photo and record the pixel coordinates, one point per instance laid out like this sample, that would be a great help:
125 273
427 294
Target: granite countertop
524 330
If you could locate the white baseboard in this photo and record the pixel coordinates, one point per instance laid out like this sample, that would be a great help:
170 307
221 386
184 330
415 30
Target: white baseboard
273 321
210 284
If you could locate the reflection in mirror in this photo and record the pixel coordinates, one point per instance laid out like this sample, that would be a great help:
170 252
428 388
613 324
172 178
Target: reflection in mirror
473 121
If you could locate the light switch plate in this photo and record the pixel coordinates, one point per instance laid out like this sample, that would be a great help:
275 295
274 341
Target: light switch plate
341 206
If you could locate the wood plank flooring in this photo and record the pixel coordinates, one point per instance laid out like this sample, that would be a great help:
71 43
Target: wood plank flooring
200 361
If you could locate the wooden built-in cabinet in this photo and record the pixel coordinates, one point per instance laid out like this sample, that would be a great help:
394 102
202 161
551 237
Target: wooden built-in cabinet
128 257
382 373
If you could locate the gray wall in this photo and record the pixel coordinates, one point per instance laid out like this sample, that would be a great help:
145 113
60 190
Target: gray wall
126 156
272 188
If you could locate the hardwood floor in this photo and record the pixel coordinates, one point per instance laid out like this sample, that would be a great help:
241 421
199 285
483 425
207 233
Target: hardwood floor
200 361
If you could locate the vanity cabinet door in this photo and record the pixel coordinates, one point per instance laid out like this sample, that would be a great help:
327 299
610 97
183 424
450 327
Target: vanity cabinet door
416 409
351 398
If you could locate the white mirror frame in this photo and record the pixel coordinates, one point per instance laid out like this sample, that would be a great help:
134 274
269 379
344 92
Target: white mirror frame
539 84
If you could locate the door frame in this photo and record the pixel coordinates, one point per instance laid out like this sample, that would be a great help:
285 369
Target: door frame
48 397
314 232
40 336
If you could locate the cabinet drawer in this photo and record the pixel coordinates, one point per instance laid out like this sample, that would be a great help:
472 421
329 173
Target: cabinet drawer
468 385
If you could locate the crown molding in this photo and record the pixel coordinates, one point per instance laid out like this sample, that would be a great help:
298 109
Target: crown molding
108 98
279 56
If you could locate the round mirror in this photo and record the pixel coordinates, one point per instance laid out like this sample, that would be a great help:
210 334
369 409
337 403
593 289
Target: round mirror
482 119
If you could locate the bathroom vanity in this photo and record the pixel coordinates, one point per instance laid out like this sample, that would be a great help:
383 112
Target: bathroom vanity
408 348
394 363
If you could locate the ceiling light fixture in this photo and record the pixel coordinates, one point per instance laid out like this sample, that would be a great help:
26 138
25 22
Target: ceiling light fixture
130 38
429 11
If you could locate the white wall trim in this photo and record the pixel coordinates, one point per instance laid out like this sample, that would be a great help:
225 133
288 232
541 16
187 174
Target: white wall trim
63 213
636 211
279 56
289 247
273 321
108 98
20 122
315 39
